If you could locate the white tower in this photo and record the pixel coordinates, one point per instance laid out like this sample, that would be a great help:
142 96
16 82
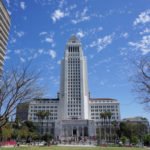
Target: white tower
74 85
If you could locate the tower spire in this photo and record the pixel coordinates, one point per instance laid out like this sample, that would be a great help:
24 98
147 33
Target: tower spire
73 39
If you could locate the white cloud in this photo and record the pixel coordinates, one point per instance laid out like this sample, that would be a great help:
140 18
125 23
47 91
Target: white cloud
49 39
91 56
7 57
143 18
72 7
102 43
9 12
80 34
20 34
147 30
17 51
80 17
23 5
59 62
8 2
52 53
61 3
13 40
125 35
143 45
40 51
22 59
43 33
57 15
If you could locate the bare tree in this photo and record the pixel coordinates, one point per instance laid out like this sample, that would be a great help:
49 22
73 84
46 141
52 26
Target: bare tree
17 85
142 81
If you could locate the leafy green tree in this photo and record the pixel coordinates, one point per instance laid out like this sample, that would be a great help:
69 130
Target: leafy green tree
30 125
7 132
115 127
134 140
123 139
147 140
47 137
131 130
24 132
102 116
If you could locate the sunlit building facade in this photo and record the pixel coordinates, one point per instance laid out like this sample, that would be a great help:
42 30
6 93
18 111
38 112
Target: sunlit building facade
4 32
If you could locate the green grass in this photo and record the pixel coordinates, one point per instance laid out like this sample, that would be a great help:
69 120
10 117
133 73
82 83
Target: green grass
72 148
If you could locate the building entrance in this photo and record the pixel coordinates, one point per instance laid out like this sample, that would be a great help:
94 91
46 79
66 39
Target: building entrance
74 132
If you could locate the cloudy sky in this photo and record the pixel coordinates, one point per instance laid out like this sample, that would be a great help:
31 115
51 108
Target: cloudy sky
113 33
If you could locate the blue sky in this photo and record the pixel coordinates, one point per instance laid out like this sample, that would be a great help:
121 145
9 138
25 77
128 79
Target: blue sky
113 33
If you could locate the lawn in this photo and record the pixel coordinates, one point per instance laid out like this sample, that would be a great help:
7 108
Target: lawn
72 148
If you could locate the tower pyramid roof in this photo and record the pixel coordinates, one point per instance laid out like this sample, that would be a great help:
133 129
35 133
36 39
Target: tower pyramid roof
74 39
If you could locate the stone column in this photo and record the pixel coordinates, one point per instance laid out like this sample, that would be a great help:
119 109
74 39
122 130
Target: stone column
77 131
72 131
82 131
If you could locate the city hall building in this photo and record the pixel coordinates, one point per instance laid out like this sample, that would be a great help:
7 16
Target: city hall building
73 113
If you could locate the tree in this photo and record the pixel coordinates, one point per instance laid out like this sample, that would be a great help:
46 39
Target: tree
103 116
7 131
142 81
24 132
134 140
47 137
115 125
123 139
41 115
109 115
17 85
132 130
147 140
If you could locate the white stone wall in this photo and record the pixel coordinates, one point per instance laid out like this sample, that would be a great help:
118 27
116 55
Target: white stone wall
103 105
43 105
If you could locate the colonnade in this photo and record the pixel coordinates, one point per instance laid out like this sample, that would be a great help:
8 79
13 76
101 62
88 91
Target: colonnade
75 131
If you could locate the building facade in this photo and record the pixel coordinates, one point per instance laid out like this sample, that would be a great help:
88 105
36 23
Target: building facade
74 113
4 32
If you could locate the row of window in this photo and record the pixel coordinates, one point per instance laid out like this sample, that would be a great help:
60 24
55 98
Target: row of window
52 115
97 118
74 64
43 102
70 113
51 118
73 49
74 101
98 114
55 110
74 75
73 60
104 106
75 54
43 106
74 106
74 70
103 110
